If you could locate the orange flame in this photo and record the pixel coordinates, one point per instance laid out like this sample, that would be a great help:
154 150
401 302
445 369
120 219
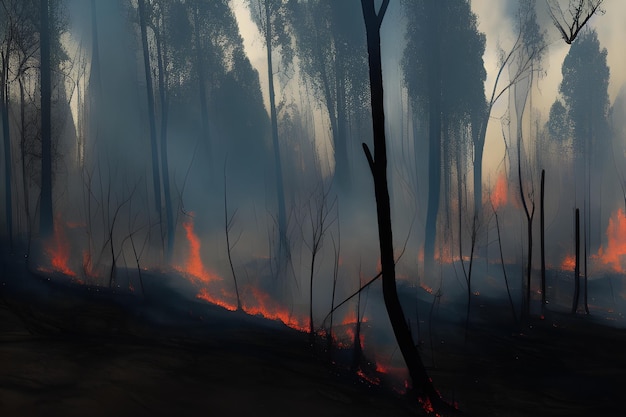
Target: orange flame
615 250
499 194
569 263
204 295
193 265
263 305
58 250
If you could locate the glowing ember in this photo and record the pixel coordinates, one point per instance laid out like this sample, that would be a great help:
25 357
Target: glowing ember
371 379
616 242
193 265
569 263
499 192
58 250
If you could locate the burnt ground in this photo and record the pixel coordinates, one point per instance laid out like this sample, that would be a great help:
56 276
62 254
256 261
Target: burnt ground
561 365
69 350
74 350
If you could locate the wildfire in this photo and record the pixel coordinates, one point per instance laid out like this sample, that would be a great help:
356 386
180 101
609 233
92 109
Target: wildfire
265 306
616 242
58 250
204 295
193 265
499 194
569 263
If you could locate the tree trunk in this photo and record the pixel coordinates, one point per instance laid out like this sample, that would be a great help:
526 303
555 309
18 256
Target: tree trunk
204 107
543 242
434 135
45 219
577 267
478 135
378 166
8 163
25 188
151 118
283 252
164 99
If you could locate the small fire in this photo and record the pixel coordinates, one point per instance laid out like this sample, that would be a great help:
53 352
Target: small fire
569 263
612 255
204 295
263 305
193 265
58 250
499 194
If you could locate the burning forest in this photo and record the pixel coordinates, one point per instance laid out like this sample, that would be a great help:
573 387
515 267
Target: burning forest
312 207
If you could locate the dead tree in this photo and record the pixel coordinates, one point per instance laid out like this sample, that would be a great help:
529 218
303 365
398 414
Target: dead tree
569 22
577 267
543 241
378 167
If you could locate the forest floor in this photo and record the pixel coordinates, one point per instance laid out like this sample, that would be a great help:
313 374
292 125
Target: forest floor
64 353
66 350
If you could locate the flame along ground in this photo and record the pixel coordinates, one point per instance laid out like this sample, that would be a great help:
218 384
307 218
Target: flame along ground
57 248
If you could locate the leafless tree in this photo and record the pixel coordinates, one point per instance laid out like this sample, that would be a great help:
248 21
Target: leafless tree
571 20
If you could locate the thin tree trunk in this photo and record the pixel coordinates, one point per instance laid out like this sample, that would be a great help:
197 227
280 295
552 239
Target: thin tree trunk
204 107
8 163
164 99
151 118
280 191
23 159
543 242
378 166
45 219
577 267
434 148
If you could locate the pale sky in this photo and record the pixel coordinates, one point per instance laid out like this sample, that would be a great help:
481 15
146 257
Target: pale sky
493 21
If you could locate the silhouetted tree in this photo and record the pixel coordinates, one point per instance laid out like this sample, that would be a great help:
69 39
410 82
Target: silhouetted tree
45 219
571 21
271 18
559 125
444 74
331 52
156 179
585 92
378 165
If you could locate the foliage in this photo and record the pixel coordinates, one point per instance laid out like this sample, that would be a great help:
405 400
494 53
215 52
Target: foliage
585 89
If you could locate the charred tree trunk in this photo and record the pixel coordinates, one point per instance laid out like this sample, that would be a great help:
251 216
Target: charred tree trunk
151 118
8 163
23 161
45 219
378 166
577 267
543 241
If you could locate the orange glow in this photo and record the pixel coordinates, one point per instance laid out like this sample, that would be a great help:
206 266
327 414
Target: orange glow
193 265
371 379
427 405
612 255
499 194
58 250
204 295
263 305
569 263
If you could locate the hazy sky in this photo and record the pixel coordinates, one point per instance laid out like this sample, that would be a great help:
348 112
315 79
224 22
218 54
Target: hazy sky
494 18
